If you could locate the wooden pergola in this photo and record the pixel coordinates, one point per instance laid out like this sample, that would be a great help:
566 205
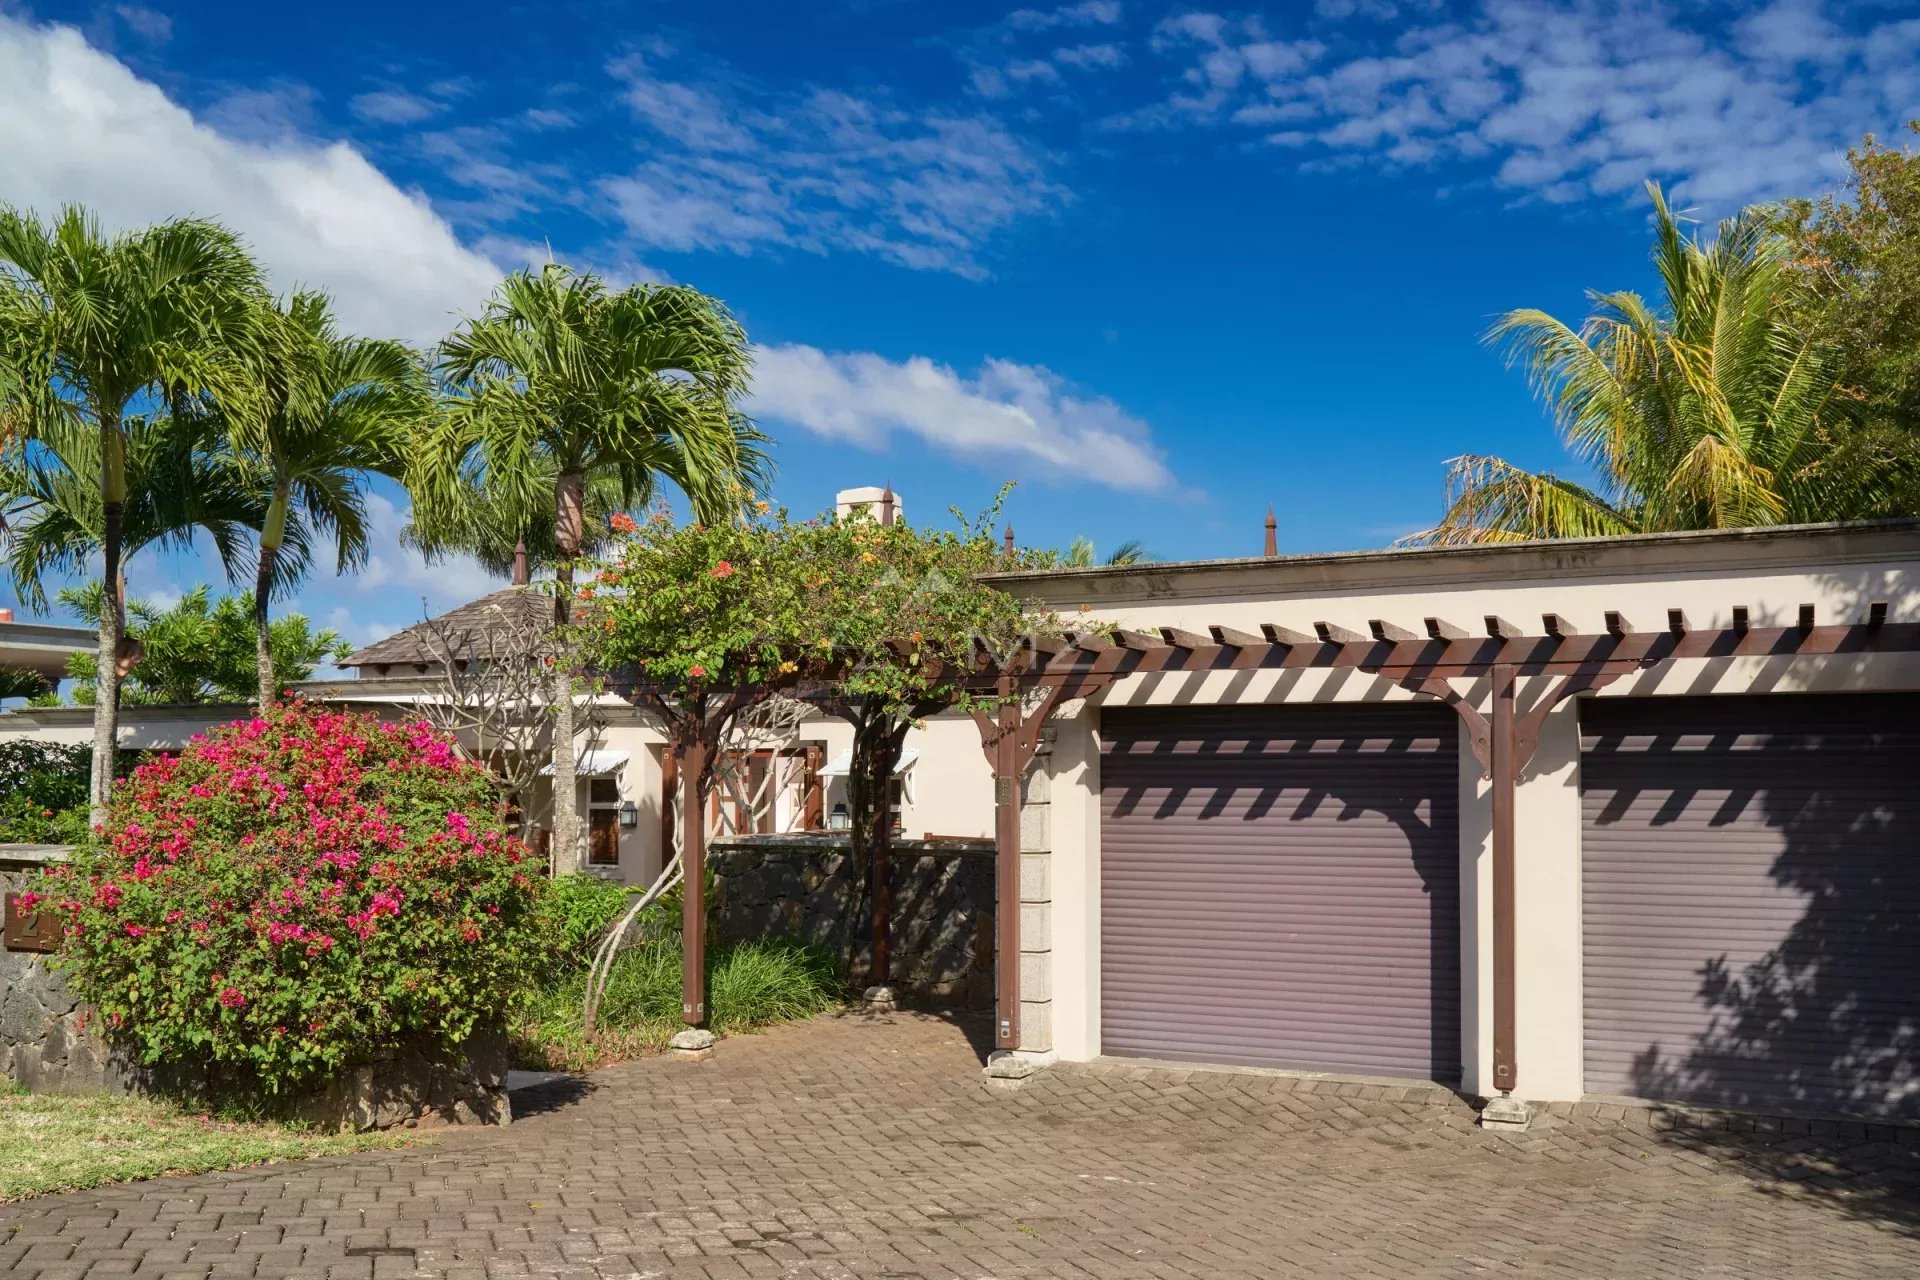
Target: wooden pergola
1045 672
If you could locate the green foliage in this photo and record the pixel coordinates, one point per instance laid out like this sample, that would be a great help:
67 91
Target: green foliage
1857 260
201 650
297 894
582 907
1714 410
561 379
707 605
750 984
876 611
43 792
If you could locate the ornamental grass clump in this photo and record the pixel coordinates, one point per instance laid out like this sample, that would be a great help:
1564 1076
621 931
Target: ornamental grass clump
298 894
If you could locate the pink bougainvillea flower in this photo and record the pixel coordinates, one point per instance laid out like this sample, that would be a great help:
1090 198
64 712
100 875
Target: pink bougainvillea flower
622 522
230 998
723 570
697 671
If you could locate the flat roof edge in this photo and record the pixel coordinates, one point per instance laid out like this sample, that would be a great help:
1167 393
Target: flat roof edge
1488 559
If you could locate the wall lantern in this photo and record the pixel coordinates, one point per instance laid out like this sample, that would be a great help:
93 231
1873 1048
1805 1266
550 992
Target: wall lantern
839 819
629 814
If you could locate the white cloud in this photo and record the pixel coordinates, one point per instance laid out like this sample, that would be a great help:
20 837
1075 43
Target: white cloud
149 24
1007 415
734 168
1089 13
1560 98
78 125
394 106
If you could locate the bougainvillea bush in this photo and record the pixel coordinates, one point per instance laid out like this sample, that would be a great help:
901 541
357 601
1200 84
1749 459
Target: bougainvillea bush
297 894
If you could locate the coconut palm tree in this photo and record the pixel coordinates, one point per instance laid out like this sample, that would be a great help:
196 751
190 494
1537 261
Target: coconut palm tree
180 482
562 384
1709 411
326 413
100 328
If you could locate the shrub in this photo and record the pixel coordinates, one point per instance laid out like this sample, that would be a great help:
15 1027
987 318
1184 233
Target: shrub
581 908
297 894
749 985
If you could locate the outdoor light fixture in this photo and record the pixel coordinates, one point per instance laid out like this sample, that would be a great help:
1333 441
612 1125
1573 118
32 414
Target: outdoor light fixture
839 819
629 814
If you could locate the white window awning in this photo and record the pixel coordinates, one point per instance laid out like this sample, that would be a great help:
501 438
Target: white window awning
841 763
593 764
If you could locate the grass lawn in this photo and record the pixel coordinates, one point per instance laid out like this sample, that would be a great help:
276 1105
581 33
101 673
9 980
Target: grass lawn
52 1143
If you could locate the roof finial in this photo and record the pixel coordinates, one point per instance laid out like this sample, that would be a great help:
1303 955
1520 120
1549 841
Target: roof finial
887 504
1009 538
1273 534
520 575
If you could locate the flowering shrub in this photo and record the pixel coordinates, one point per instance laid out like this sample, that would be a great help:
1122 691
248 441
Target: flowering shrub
296 893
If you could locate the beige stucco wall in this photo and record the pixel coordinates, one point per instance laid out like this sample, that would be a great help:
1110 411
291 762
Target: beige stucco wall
1839 575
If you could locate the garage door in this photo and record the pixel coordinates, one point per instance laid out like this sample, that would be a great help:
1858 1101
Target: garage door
1752 901
1280 887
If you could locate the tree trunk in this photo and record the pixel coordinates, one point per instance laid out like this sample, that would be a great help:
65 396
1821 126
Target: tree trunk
877 742
569 531
273 532
106 705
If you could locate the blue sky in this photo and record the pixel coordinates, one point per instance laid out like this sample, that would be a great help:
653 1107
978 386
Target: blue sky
1163 265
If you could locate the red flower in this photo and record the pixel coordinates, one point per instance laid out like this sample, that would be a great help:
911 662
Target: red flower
622 522
696 671
230 998
724 569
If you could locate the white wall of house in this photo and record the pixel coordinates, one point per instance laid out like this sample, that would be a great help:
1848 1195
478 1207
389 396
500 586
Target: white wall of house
1839 573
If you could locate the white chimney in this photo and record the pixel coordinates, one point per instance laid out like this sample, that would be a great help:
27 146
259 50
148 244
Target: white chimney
883 504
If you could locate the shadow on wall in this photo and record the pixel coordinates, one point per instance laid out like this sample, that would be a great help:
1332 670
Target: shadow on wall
1809 999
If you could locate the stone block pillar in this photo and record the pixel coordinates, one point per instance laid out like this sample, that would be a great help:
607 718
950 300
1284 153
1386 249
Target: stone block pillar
1036 902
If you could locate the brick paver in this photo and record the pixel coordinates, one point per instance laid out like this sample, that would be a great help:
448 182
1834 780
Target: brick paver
856 1147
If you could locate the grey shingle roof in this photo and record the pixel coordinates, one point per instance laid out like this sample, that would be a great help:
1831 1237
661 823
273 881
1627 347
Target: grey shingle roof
470 628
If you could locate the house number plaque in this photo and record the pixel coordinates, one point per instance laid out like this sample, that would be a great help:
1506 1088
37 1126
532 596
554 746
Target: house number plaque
30 930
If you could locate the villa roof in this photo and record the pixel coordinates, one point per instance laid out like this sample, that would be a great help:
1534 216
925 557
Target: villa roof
471 627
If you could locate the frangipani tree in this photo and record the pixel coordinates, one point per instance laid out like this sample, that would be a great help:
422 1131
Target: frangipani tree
1710 410
99 329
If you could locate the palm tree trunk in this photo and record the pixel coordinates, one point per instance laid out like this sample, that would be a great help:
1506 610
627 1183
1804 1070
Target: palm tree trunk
273 531
568 534
106 705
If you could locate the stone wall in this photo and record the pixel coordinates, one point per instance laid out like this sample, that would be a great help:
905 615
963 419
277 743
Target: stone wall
45 1046
800 886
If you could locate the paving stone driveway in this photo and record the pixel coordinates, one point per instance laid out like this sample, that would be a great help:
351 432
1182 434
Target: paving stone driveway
857 1147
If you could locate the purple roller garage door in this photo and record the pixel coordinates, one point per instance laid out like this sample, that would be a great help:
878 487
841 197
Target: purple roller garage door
1751 871
1280 887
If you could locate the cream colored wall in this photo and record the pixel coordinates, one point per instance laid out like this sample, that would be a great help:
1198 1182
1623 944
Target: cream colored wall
1547 819
952 787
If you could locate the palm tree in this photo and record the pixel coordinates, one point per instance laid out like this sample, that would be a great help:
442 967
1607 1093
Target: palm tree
1710 412
97 329
1080 553
180 482
328 411
561 385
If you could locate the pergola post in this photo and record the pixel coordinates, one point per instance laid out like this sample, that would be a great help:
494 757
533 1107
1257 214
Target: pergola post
693 904
1505 768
